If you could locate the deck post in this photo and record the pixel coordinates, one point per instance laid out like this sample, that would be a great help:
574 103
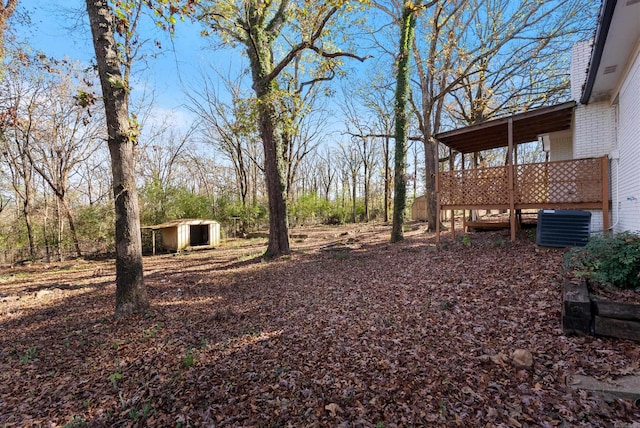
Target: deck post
474 213
437 195
452 212
153 242
464 211
512 211
604 168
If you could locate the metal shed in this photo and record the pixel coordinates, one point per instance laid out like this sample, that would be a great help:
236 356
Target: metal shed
183 234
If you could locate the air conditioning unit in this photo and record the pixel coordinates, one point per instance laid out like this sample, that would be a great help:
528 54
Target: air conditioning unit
563 228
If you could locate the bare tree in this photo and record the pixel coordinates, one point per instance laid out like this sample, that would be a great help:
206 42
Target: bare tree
327 170
303 115
378 100
229 127
362 140
20 97
351 162
66 136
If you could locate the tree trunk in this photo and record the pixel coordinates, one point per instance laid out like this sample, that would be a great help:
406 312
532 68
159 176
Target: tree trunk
273 163
131 294
259 52
387 180
430 157
72 227
367 180
26 212
407 31
59 230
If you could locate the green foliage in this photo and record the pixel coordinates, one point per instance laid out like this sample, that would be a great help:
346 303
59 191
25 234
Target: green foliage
339 215
188 360
96 222
150 333
612 259
159 204
142 413
230 212
310 208
76 422
14 235
114 378
29 355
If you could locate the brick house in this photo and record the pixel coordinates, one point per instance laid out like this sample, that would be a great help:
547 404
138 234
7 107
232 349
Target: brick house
605 82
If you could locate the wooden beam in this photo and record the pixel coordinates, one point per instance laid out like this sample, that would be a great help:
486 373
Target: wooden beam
464 211
510 166
452 213
453 225
437 195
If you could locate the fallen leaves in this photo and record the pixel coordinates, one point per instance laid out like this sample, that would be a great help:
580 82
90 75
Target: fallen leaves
394 335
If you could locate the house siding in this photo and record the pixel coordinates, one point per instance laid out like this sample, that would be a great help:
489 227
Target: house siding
626 193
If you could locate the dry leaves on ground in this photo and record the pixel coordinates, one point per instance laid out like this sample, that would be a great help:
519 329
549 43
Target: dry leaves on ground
348 331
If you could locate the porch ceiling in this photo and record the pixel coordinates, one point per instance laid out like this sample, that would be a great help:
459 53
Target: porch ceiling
526 128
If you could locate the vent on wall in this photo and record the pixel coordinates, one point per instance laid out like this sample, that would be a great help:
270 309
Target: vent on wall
610 69
563 228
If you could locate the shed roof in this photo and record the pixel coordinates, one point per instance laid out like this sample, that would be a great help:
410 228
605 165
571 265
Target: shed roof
527 127
178 222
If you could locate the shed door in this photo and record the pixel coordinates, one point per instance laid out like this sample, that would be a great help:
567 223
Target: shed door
198 235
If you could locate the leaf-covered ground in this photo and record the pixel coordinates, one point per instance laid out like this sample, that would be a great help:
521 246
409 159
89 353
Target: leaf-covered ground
348 331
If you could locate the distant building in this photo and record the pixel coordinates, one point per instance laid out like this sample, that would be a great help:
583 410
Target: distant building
183 234
419 209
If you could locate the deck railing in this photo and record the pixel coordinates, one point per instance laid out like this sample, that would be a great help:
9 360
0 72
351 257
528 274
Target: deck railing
579 183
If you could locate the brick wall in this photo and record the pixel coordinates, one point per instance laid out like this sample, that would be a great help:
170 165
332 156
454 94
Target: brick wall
594 131
594 126
580 56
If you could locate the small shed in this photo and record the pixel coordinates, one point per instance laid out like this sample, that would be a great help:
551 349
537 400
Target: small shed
181 234
419 209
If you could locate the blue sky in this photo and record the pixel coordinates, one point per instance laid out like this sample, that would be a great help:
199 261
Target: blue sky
60 29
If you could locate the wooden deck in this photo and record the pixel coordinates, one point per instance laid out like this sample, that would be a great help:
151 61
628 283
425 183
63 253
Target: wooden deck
574 184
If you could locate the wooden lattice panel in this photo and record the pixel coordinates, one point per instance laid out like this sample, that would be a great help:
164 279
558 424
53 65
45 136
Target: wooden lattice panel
568 182
483 186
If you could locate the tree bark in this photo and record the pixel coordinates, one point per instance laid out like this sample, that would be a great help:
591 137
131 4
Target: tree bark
276 187
430 157
72 227
261 61
387 180
131 294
